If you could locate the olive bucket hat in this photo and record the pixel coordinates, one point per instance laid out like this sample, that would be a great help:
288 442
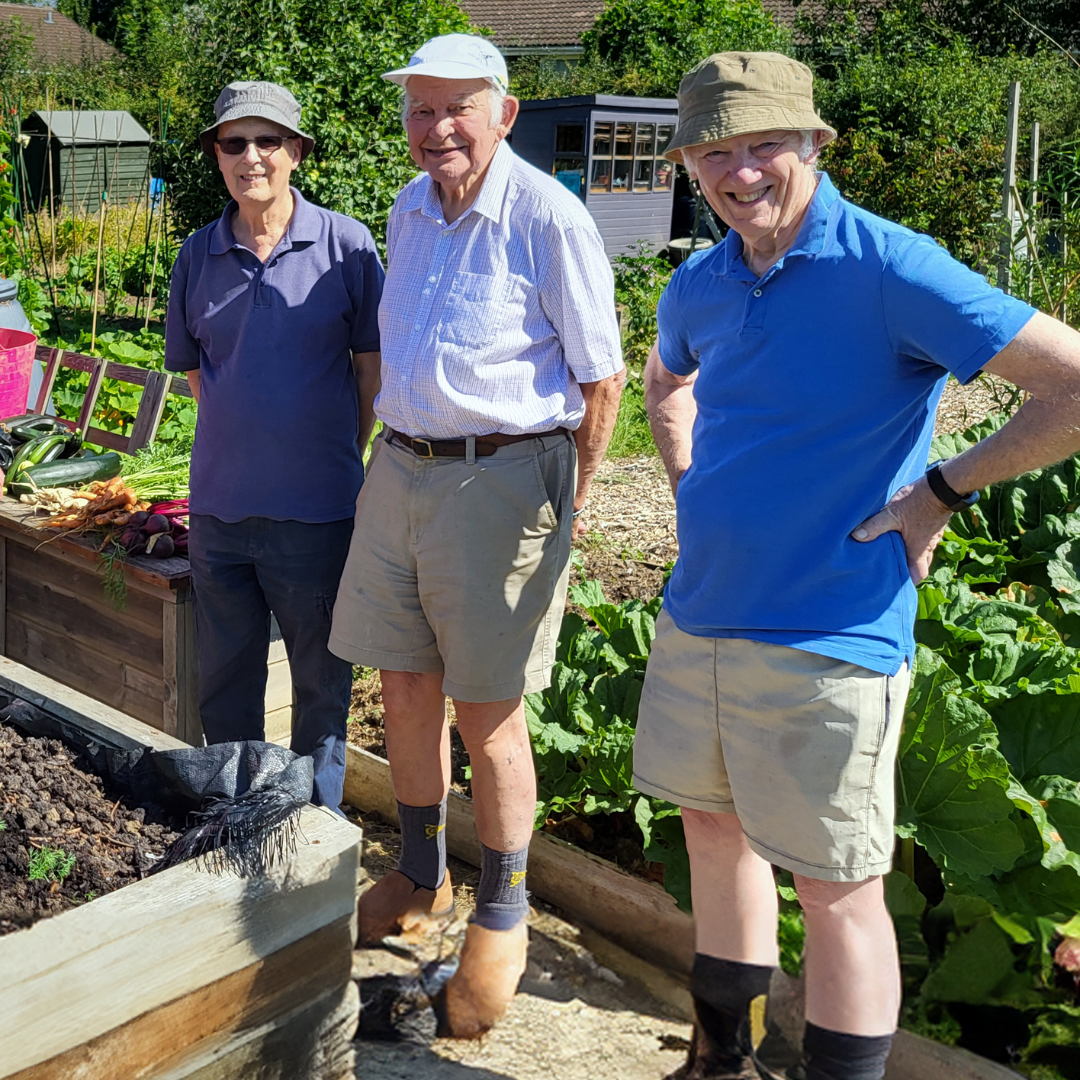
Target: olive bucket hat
737 93
267 100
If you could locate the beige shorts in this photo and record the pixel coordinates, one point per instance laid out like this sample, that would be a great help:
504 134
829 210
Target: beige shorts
461 569
802 747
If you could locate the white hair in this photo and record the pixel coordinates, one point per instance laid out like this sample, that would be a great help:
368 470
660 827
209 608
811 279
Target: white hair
496 96
806 150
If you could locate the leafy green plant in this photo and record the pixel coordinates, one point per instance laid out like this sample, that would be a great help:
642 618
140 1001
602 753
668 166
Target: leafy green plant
50 864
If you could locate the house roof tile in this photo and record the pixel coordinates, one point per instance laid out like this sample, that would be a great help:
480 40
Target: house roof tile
57 39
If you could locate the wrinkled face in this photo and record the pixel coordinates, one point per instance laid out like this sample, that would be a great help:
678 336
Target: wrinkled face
449 128
257 177
756 182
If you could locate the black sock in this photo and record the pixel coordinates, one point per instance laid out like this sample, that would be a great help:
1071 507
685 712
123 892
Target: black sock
723 991
501 899
423 844
834 1055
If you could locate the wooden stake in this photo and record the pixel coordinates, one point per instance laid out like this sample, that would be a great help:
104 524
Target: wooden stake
97 267
52 193
1008 227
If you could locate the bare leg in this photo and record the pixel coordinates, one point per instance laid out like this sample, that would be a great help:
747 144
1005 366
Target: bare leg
852 967
733 890
417 738
503 775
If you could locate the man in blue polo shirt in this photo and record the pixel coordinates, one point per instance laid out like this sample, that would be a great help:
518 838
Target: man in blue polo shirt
792 394
273 317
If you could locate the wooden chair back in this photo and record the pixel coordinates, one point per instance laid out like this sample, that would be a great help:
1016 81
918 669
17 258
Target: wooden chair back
157 385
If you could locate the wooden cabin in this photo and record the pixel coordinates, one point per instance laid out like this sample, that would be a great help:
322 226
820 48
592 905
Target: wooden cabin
91 151
607 150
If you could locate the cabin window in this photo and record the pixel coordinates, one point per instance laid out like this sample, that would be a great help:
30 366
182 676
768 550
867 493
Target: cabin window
569 164
626 158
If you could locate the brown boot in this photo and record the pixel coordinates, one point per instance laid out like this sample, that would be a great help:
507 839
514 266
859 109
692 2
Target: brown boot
492 963
395 905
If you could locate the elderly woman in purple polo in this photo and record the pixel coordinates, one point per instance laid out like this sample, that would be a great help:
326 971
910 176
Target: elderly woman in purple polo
273 318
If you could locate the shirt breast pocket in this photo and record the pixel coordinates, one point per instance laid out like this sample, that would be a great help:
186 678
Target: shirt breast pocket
475 310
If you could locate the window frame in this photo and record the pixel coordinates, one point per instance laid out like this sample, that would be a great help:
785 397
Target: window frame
623 162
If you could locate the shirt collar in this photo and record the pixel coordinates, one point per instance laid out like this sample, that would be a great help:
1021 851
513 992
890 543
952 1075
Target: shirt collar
303 227
424 194
810 240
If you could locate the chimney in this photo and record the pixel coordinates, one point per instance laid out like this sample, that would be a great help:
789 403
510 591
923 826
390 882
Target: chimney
48 17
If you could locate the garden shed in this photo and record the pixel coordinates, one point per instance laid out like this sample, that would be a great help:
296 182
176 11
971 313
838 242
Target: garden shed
92 151
607 150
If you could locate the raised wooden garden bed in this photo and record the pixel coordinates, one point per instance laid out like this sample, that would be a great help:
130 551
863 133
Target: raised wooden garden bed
185 974
140 659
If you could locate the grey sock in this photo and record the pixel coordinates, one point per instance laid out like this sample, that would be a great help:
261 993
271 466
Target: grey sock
501 899
423 844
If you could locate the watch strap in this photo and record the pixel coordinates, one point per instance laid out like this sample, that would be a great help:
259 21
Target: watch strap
952 500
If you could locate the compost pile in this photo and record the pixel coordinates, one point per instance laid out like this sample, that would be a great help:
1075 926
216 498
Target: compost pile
63 840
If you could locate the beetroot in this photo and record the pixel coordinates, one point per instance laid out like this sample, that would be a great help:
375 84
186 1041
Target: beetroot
161 546
138 519
156 523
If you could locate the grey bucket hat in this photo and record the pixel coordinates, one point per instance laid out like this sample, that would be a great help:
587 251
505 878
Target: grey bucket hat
266 99
735 93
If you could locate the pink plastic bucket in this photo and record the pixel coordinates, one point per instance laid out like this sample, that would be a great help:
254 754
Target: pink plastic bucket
17 349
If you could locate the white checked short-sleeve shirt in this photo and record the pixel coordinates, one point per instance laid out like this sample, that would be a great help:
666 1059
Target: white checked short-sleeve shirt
490 323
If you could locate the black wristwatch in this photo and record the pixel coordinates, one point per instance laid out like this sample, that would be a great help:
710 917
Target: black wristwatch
953 500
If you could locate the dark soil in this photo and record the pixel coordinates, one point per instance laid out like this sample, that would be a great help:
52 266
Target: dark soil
623 575
49 798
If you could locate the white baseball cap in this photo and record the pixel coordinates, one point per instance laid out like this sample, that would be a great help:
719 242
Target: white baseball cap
455 56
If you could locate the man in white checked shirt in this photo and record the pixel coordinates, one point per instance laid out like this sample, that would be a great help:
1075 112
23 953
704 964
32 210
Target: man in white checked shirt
501 376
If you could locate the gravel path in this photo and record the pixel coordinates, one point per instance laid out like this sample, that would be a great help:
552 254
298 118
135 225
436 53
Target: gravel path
632 509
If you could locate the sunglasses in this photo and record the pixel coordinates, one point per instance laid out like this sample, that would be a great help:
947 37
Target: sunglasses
265 144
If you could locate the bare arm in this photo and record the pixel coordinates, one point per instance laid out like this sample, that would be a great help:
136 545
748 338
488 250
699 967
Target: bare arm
669 401
367 367
1044 359
594 433
193 382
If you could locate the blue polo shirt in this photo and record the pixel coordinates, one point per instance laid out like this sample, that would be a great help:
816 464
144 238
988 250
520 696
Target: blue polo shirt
273 343
816 393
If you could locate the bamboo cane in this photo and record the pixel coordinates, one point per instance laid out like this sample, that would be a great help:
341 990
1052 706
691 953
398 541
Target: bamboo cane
153 271
100 241
52 191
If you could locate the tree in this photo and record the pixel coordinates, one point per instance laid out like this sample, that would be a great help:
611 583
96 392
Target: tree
16 50
331 55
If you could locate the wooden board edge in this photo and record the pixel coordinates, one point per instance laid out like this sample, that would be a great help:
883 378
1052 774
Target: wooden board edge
637 915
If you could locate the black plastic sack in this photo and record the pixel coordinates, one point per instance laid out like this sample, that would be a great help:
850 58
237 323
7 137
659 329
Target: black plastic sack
242 800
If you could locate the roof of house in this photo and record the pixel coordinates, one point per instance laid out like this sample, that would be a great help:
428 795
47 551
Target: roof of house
88 126
58 39
554 23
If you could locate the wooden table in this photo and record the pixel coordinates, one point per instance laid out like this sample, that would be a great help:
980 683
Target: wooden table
140 659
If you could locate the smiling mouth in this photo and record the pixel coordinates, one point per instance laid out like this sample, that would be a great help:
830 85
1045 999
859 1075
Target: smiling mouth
749 196
441 151
250 178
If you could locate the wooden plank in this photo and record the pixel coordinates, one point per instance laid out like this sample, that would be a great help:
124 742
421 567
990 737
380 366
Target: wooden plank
279 726
86 413
278 686
151 407
157 940
181 387
110 440
39 564
103 722
257 994
313 1042
121 685
30 598
169 634
3 594
188 723
635 914
52 366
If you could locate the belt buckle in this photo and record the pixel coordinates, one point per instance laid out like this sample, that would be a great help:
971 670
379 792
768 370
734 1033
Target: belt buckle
423 442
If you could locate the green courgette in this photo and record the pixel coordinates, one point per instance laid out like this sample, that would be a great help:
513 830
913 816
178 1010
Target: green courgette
37 427
67 472
25 455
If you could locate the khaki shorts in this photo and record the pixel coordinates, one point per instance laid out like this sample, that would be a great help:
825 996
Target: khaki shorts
801 746
461 569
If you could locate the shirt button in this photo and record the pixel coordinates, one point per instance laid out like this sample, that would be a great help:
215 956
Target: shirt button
757 292
417 326
432 280
426 291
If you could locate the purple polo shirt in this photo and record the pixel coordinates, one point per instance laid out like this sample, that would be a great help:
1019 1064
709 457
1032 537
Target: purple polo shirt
273 343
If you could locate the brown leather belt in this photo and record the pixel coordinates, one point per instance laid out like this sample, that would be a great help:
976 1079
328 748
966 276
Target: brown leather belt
486 445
